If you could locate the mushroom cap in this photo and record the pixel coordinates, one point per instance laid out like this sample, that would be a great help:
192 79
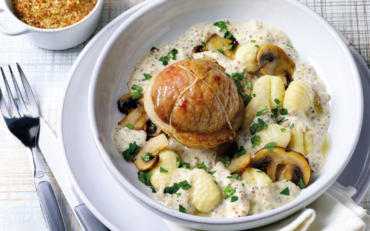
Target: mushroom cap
274 61
194 101
282 164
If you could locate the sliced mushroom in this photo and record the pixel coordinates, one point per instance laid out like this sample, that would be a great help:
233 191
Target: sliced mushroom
126 104
282 164
151 129
136 118
152 146
238 164
216 42
274 61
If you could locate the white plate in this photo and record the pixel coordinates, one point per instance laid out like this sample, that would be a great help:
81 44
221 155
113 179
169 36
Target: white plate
97 186
87 171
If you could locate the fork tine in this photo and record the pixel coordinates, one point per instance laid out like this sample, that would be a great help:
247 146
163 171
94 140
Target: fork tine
3 107
20 98
27 88
13 107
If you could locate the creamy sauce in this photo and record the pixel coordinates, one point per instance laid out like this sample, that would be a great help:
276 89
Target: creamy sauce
252 199
123 136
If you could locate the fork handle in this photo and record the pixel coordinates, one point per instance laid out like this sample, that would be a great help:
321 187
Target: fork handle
50 207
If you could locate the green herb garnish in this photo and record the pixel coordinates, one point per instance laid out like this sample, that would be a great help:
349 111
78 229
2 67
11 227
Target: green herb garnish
282 130
147 77
145 177
263 111
292 126
229 191
234 198
215 182
256 46
241 151
176 186
285 192
253 41
182 209
258 126
225 160
171 54
284 111
162 170
153 190
301 184
270 146
130 126
203 44
221 25
181 164
131 152
249 84
201 166
277 101
259 171
212 172
221 51
256 140
282 120
153 48
288 45
229 47
147 156
233 176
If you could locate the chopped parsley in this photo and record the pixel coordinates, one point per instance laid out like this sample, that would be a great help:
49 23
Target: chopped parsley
221 51
254 95
258 126
181 164
178 194
259 171
145 177
249 84
256 140
131 152
153 48
282 120
277 101
221 25
275 113
147 77
153 190
225 160
189 57
235 168
288 45
130 126
182 209
234 198
292 126
237 77
228 35
228 75
253 41
241 151
229 191
229 47
201 166
270 146
162 170
203 44
215 182
176 186
147 156
256 46
301 184
212 172
171 54
285 192
282 130
284 111
233 176
263 111
137 94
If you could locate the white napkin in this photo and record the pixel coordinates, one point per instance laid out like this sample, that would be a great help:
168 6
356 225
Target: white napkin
333 211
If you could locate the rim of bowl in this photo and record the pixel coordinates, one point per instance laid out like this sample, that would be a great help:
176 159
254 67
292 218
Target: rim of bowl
313 192
8 10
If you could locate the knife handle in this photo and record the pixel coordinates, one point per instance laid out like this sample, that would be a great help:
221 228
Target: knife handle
88 221
50 208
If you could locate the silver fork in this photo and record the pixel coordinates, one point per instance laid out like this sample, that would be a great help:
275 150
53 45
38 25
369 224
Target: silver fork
24 123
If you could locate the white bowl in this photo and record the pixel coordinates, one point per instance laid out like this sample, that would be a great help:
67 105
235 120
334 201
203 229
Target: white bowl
160 21
53 39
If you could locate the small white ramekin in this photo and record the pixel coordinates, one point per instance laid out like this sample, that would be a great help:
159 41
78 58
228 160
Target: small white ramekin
53 39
